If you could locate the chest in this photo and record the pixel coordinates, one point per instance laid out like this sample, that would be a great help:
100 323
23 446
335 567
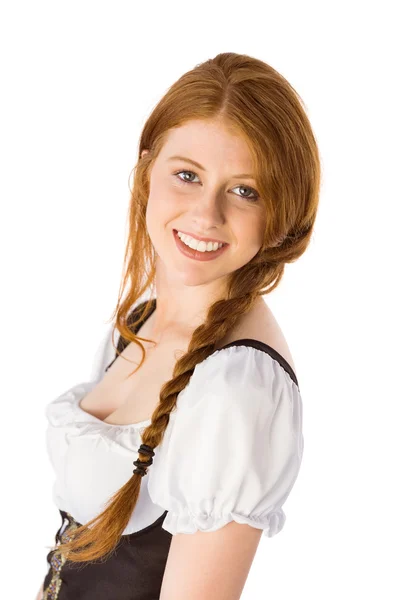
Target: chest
123 397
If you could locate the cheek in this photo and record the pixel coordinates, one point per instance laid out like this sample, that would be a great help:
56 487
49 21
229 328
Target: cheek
159 212
157 199
162 196
249 230
151 216
258 225
249 237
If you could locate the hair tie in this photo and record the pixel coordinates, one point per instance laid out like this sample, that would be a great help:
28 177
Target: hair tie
142 465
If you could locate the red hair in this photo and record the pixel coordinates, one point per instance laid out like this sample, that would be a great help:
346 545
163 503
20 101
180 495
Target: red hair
252 99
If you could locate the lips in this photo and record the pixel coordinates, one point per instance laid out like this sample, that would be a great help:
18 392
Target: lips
196 254
200 239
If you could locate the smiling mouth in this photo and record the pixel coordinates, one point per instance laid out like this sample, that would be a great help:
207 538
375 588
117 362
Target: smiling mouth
197 254
200 239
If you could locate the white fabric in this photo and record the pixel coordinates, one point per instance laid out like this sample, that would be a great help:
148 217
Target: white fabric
232 449
92 460
104 354
235 447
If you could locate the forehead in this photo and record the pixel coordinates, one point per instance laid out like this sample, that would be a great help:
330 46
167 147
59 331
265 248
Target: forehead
211 143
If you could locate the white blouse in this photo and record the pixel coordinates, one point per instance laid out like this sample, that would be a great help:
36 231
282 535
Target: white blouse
231 452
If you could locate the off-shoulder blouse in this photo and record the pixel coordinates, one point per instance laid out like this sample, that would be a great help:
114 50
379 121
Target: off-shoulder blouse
231 452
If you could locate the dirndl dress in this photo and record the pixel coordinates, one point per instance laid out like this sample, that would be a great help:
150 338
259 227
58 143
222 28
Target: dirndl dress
135 569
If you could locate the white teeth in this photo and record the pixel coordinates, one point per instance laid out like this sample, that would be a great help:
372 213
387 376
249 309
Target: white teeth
199 246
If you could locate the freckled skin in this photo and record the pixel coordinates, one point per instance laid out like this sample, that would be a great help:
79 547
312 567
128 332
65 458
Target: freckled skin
213 204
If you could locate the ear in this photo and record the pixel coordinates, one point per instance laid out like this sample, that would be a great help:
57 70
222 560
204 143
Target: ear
143 153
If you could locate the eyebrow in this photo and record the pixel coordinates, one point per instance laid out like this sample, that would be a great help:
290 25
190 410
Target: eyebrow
199 166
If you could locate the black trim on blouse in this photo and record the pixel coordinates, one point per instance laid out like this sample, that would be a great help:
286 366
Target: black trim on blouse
122 343
135 569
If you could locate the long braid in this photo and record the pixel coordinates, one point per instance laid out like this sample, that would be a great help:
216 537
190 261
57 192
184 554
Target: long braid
252 97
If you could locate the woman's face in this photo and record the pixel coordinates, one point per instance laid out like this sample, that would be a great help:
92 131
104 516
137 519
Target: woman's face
209 199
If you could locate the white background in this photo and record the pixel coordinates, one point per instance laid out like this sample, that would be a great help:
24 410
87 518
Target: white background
78 81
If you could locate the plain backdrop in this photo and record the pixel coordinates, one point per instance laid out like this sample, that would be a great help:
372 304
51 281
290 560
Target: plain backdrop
78 80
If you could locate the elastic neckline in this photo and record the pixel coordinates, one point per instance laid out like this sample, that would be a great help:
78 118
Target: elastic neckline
249 342
257 344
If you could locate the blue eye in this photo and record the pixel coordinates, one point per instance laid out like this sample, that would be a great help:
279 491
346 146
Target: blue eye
252 199
184 180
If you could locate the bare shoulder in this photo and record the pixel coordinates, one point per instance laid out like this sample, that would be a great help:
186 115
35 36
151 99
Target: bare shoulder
260 324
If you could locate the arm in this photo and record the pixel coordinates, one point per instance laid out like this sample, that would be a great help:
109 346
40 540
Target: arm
233 454
210 565
40 593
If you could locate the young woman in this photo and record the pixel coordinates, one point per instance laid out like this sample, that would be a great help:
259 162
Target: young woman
168 473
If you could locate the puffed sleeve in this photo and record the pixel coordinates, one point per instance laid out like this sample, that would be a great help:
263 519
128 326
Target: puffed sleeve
233 447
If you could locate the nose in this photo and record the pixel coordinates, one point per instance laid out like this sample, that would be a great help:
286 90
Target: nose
208 212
